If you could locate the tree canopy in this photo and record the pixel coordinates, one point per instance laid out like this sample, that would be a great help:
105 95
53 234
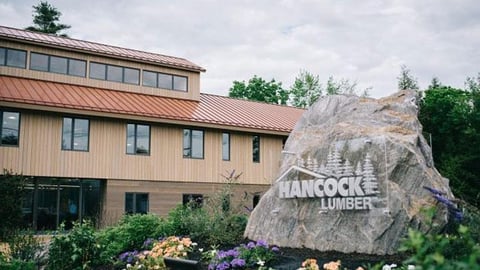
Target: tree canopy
45 20
305 90
452 117
406 80
260 90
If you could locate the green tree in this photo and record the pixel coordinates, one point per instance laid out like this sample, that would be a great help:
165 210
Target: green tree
45 20
11 192
342 86
472 84
435 83
260 90
305 90
406 80
452 116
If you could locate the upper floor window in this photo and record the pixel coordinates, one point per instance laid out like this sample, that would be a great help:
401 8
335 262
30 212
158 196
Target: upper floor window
75 134
57 64
193 143
256 148
226 146
138 139
13 58
136 203
114 73
9 128
165 81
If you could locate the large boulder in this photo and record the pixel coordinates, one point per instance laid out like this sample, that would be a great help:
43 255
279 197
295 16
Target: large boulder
352 178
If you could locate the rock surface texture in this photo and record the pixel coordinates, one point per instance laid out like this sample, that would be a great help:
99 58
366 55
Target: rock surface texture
351 179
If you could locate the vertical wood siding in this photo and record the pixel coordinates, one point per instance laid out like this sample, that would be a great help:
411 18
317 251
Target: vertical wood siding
40 154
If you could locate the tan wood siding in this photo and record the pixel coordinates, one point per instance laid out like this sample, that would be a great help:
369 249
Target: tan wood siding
164 196
193 77
40 154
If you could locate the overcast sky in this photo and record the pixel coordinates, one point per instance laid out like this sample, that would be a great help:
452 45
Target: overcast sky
364 41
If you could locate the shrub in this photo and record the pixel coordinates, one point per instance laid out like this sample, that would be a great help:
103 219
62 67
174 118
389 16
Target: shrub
76 249
130 233
25 247
11 192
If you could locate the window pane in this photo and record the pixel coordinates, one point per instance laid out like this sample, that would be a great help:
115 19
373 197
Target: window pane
114 73
39 62
197 144
143 139
16 58
58 64
10 128
76 67
130 139
67 134
80 135
3 51
97 71
141 204
149 78
131 75
256 148
180 83
129 203
187 150
164 81
226 146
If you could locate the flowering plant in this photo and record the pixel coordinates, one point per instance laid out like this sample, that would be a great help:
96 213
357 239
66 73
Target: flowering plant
172 246
309 264
250 255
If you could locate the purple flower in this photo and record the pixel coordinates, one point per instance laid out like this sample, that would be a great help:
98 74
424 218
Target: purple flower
434 191
147 243
211 266
275 249
262 243
223 266
123 256
444 200
232 252
221 254
238 263
250 245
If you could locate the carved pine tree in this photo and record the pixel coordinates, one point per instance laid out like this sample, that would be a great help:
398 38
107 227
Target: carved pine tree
370 184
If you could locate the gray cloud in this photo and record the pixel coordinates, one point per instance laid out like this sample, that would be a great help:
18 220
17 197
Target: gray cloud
364 41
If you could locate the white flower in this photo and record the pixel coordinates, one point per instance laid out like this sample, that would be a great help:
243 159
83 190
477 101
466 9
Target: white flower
194 244
389 266
200 249
411 267
261 263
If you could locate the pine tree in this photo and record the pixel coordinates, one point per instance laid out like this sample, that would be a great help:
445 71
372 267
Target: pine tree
45 17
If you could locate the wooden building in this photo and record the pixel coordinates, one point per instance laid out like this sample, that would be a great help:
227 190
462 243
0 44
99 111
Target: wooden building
101 131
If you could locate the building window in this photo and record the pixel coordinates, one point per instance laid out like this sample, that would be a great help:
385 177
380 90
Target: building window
138 139
56 64
179 83
226 146
193 143
13 58
195 200
9 128
165 81
149 78
136 203
114 73
256 148
75 134
256 199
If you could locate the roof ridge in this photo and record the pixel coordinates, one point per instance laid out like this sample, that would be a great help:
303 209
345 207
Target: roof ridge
58 43
254 101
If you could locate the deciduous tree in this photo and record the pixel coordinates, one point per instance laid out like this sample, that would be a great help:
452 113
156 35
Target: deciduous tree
260 90
406 80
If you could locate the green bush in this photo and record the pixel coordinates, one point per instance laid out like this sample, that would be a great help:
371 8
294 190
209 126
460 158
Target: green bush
25 247
130 233
11 192
76 249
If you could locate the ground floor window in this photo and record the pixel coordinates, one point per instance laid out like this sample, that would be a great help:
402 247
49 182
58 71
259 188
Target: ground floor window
49 202
193 199
136 203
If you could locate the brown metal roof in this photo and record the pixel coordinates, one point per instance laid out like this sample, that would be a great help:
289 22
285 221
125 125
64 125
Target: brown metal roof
211 109
97 48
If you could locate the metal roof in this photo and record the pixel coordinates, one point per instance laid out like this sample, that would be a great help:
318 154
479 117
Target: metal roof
211 109
96 48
